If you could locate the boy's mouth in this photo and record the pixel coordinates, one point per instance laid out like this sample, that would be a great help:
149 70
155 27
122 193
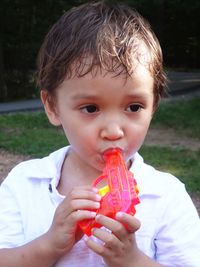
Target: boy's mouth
111 150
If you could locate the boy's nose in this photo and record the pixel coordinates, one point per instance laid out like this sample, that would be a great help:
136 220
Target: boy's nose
112 131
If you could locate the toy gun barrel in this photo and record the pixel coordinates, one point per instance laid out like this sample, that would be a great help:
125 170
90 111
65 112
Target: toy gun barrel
121 193
121 182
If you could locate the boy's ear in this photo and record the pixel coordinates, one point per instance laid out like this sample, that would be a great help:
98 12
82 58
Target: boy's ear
50 108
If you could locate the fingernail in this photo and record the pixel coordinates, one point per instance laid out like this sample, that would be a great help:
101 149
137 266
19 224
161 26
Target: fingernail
97 217
97 205
98 197
93 214
96 190
120 214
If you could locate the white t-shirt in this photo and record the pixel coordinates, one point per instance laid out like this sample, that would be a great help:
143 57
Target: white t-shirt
170 225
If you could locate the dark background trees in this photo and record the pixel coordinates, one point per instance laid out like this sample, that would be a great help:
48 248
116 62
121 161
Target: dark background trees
23 24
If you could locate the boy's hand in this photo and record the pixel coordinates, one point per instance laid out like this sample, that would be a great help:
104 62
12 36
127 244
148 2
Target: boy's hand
76 207
119 247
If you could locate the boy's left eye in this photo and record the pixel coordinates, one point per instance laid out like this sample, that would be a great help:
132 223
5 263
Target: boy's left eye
134 107
89 109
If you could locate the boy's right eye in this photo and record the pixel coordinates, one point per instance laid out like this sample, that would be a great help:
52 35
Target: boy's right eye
89 109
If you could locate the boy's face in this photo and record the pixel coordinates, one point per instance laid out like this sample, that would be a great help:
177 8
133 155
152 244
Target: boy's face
102 112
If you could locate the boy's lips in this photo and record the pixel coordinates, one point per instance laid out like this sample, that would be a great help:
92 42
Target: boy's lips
110 150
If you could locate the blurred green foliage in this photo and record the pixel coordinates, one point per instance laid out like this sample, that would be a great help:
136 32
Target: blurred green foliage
23 25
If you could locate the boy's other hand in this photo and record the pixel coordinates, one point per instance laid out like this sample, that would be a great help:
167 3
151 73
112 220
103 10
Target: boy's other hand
119 247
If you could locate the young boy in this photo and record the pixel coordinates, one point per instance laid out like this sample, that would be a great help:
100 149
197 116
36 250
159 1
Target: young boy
101 77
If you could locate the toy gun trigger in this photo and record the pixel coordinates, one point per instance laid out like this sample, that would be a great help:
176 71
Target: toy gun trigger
103 190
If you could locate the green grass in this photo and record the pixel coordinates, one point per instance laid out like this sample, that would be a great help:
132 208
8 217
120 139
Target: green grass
184 164
31 134
183 116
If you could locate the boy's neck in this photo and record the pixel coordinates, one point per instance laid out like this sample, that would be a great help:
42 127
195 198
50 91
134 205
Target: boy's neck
75 173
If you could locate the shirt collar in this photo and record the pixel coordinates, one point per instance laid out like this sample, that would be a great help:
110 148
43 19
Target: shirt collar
48 167
146 176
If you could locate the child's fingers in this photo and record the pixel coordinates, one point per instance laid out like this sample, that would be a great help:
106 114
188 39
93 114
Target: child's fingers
78 199
84 193
80 215
132 224
77 206
75 211
87 187
123 225
82 204
113 225
97 247
109 240
70 220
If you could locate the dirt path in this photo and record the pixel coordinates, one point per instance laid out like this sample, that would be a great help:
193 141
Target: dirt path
169 138
158 137
8 161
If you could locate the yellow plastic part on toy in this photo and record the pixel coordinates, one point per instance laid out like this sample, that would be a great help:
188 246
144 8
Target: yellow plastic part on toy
103 190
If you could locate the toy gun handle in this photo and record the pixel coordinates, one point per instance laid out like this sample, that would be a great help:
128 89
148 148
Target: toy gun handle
121 193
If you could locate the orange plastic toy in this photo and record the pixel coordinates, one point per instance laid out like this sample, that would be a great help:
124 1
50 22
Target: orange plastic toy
121 193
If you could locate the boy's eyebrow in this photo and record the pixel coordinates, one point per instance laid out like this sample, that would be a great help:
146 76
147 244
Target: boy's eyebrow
94 96
138 95
83 95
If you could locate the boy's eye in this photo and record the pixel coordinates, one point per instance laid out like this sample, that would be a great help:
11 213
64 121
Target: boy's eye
134 108
89 109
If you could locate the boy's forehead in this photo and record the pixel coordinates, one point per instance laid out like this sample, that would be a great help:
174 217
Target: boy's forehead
143 54
140 76
90 64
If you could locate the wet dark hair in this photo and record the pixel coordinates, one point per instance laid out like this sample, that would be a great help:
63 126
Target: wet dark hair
97 36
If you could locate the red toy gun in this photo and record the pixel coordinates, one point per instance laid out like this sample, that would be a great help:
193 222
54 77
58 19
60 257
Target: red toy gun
121 193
